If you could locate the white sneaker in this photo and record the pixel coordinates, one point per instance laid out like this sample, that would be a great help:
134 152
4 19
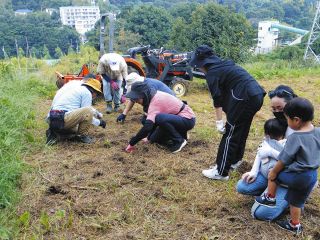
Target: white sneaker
213 174
213 166
236 165
177 148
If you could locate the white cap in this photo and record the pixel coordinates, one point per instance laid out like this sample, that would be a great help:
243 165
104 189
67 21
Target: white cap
132 78
114 64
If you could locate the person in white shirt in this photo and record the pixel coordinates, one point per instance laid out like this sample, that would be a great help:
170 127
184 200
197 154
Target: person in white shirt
72 112
113 69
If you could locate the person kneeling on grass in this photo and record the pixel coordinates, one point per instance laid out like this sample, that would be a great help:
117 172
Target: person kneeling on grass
298 163
168 118
72 113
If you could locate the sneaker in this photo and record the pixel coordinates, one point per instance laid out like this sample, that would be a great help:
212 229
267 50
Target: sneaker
213 173
265 200
109 108
83 139
236 165
52 137
177 147
116 107
286 225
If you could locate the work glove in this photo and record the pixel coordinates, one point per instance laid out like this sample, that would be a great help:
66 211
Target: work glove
102 123
265 151
220 126
114 85
123 99
99 115
121 118
130 149
143 119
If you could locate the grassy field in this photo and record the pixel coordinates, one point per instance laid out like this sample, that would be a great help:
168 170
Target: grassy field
76 191
18 95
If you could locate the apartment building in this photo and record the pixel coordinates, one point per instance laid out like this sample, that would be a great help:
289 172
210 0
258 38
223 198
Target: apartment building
82 18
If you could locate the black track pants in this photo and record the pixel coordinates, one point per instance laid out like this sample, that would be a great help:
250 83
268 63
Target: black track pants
232 145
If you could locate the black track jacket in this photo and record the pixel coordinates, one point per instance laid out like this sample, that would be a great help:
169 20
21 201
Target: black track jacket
229 82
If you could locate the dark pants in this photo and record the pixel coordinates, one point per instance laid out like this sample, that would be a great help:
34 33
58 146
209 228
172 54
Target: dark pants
171 127
233 142
300 185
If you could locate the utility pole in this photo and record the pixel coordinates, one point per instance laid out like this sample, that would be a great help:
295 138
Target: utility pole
314 35
4 53
27 53
17 50
112 18
102 34
27 50
77 51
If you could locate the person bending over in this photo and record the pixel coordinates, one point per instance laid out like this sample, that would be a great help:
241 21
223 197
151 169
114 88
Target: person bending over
168 118
153 83
238 94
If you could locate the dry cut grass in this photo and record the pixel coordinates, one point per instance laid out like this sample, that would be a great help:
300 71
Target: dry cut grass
98 191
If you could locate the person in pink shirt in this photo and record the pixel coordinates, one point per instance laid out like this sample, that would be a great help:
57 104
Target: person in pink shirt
168 118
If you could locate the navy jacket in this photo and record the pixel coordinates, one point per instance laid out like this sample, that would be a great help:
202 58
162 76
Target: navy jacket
228 81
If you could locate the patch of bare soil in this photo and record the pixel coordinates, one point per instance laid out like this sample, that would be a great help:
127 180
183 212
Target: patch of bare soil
97 191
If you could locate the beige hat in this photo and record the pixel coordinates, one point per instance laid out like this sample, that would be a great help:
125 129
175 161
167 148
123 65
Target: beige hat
132 78
94 83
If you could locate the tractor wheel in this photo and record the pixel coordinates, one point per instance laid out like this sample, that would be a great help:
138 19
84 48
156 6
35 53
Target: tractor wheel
132 69
59 83
179 87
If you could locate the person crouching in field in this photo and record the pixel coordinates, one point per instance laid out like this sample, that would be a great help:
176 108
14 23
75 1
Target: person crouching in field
72 113
154 83
298 163
168 118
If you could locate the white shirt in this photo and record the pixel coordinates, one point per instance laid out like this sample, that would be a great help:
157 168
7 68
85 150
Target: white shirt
72 98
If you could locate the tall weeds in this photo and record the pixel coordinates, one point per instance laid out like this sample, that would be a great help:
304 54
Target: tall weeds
17 98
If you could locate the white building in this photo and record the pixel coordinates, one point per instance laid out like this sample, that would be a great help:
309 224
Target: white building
267 37
22 12
82 18
50 11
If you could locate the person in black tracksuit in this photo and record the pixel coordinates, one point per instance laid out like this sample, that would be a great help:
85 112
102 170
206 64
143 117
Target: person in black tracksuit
239 96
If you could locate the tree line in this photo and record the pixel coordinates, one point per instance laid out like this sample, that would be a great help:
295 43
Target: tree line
228 26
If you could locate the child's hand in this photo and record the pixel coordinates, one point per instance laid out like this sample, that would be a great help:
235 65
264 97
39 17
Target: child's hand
249 177
272 175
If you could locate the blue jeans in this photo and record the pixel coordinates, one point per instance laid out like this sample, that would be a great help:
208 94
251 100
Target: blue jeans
253 189
171 127
256 188
110 94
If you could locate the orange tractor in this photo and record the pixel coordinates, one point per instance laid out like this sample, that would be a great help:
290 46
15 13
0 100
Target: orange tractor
168 66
